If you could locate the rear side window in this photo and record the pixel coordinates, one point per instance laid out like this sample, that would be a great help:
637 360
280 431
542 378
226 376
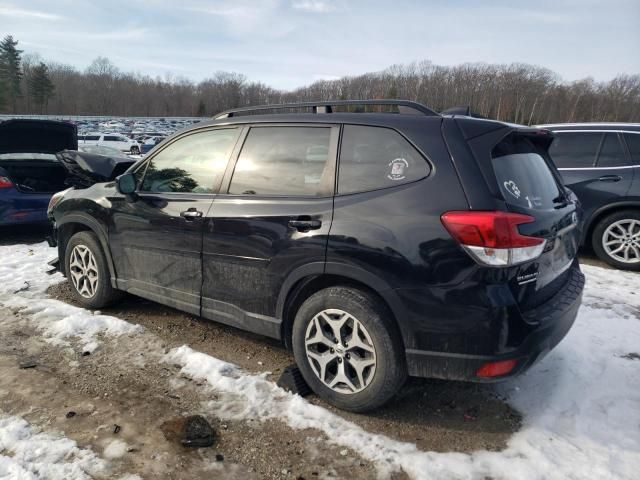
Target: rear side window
111 138
633 142
374 157
288 161
575 150
611 153
523 175
191 164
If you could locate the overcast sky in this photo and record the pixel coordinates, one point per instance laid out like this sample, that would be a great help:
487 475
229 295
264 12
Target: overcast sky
290 43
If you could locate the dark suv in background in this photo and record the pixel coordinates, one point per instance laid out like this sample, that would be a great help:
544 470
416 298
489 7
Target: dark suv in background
600 163
375 245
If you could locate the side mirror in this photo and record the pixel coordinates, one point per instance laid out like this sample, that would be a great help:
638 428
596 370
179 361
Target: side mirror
126 184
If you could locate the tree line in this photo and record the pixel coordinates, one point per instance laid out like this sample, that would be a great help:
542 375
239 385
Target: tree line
519 93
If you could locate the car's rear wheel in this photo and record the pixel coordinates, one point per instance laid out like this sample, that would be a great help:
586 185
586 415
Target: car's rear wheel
135 150
348 349
87 271
616 239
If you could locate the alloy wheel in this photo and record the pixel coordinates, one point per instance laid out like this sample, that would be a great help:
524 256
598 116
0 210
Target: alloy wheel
83 270
621 241
340 351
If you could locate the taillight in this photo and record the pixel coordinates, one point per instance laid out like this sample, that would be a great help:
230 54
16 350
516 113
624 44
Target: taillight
492 238
5 183
496 369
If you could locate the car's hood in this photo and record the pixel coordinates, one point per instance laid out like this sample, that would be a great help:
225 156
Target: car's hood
93 168
37 136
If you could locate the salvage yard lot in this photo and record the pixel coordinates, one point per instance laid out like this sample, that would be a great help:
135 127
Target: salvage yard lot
140 365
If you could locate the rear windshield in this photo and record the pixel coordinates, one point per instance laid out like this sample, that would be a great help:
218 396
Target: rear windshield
523 175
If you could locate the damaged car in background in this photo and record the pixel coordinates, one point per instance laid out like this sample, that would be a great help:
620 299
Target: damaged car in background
39 158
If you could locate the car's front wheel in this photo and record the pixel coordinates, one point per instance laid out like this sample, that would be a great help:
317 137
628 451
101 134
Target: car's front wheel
616 239
348 349
135 150
87 271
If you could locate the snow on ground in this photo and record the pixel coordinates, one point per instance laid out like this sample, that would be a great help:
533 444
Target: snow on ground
581 404
27 454
23 283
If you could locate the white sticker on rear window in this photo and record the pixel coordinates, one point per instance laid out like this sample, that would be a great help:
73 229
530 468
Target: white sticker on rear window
397 169
512 188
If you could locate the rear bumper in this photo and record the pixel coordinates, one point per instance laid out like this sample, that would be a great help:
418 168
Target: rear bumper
552 321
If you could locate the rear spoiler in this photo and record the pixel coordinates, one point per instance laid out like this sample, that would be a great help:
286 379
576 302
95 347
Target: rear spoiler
464 111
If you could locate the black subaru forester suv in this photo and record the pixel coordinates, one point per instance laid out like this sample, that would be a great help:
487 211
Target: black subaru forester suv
375 244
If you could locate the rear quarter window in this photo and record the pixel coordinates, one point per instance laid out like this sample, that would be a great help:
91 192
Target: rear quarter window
524 177
372 158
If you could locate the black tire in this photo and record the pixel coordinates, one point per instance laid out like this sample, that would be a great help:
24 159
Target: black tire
597 238
104 294
135 150
390 369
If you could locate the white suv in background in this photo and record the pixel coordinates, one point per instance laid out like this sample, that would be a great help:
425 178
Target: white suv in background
113 140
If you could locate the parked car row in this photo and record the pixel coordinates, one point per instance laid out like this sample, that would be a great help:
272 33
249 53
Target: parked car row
374 245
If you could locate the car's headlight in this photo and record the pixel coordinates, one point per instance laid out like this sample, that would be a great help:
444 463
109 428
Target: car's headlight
55 199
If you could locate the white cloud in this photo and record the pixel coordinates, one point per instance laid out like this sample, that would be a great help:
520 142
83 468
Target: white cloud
8 10
314 6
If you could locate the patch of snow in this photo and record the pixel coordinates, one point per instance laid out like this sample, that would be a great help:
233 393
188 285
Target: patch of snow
28 454
115 449
26 265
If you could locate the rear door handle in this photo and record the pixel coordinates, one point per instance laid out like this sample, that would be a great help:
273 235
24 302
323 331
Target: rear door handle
610 178
304 224
191 214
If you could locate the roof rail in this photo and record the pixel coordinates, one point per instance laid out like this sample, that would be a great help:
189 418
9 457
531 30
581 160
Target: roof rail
404 107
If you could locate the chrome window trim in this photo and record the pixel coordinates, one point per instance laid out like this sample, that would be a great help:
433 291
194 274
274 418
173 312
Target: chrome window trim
599 168
596 131
550 126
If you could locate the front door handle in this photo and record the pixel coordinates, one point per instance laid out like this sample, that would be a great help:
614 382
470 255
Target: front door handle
303 224
191 214
610 178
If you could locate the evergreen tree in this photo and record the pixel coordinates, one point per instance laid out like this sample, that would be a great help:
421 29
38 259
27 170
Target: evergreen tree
10 71
40 86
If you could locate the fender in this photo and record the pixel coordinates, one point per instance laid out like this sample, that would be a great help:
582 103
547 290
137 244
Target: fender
375 283
589 223
99 230
308 270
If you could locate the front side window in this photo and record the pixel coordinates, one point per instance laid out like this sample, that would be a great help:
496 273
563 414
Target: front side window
373 157
284 161
575 150
611 154
192 164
